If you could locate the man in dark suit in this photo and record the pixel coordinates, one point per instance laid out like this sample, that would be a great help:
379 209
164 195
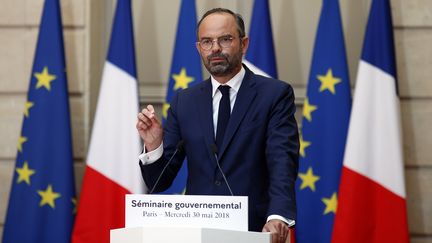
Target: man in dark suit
248 123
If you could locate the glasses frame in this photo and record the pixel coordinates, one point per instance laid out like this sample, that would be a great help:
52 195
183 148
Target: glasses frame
219 41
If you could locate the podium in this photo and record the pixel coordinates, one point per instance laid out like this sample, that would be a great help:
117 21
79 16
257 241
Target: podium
185 235
186 219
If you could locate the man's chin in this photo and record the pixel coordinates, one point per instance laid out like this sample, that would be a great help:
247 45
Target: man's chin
218 70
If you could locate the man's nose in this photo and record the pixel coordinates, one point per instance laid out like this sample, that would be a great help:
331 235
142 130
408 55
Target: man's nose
216 47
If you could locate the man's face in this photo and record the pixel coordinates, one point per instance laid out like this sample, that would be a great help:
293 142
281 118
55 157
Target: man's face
221 61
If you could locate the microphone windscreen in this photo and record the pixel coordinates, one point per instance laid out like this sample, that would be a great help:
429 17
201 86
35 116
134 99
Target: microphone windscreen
180 145
214 148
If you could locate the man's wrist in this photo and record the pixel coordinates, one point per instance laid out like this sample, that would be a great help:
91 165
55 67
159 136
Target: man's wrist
289 222
148 147
148 157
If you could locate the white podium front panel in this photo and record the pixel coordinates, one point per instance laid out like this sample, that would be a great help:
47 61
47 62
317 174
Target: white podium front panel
218 212
185 235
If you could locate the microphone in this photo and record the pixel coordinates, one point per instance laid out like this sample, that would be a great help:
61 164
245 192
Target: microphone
179 148
214 149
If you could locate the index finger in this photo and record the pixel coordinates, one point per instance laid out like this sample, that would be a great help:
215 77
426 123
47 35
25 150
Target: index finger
149 112
151 108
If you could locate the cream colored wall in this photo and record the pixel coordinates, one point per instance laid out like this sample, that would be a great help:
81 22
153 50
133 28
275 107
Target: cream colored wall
87 29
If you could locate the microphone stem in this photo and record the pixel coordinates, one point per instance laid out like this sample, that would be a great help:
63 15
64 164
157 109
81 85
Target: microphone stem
223 175
163 170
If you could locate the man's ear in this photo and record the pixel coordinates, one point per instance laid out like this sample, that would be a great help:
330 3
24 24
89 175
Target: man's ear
198 47
245 44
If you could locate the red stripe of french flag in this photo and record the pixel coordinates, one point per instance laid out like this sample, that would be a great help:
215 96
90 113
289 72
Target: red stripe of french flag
101 208
369 212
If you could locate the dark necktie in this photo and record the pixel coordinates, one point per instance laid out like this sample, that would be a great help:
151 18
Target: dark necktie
224 114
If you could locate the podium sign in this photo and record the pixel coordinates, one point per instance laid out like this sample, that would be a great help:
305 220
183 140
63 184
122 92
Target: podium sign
218 212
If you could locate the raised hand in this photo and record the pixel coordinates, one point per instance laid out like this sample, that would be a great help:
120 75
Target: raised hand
149 128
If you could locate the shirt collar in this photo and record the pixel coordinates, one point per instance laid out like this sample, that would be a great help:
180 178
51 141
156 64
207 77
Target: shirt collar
234 83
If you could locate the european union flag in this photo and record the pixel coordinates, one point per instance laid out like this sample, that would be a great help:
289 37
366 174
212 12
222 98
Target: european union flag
261 49
42 200
185 71
326 113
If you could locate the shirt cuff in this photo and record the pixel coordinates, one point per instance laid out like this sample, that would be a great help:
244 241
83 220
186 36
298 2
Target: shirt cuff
152 156
289 222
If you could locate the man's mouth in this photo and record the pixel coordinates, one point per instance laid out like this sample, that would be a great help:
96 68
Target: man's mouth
217 59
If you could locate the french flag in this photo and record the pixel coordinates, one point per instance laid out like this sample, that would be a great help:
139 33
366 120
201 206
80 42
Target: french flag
372 199
112 165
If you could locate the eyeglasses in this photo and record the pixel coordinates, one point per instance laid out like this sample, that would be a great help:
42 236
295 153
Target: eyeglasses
223 41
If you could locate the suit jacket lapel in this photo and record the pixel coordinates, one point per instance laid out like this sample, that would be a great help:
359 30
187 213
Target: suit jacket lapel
205 109
245 96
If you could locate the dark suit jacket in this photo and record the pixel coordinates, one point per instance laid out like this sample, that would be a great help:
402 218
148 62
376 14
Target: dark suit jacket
259 154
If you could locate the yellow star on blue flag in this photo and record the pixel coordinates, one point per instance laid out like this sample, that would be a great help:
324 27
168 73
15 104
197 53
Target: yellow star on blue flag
24 173
182 80
48 196
44 79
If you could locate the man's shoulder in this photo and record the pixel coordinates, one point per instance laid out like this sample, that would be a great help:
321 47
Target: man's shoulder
196 87
194 91
268 83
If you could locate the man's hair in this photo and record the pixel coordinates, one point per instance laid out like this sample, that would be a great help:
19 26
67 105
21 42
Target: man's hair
237 17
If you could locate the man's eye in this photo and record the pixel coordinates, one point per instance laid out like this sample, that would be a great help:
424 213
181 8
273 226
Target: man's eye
205 42
226 38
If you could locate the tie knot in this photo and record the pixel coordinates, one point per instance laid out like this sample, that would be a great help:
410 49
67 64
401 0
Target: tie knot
224 89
